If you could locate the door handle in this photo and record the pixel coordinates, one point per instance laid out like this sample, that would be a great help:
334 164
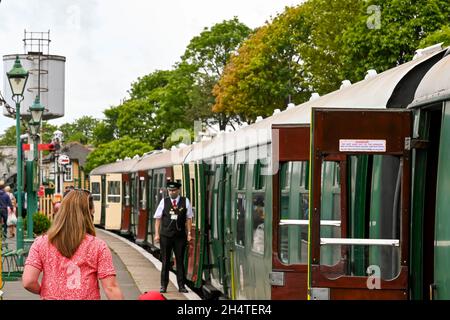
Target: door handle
432 288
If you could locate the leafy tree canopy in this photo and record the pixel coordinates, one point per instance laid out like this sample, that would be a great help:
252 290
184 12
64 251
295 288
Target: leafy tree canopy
117 149
205 59
387 33
442 35
81 130
266 71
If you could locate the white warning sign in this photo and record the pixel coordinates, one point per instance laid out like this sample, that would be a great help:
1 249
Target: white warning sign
353 145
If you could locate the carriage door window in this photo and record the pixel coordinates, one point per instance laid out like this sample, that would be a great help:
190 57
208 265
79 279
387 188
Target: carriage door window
114 191
96 195
142 193
126 197
294 204
240 203
258 207
330 226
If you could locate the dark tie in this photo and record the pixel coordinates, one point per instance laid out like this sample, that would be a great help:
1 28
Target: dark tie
174 203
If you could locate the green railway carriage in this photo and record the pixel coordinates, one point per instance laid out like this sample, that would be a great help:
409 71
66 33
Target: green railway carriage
237 215
195 178
340 197
110 195
430 251
392 182
150 175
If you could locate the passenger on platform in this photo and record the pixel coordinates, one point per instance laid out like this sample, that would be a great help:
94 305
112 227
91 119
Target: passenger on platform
70 257
5 204
12 219
24 202
175 213
12 214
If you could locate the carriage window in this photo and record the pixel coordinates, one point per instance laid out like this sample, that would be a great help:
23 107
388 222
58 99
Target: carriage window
294 205
240 219
241 175
285 175
258 215
215 201
126 197
304 174
142 194
259 179
373 214
331 209
161 188
95 190
114 191
193 198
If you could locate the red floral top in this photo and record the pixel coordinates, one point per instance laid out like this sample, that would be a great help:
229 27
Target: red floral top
75 278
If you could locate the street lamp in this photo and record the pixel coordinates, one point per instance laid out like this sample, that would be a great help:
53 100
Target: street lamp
36 110
34 124
34 128
17 78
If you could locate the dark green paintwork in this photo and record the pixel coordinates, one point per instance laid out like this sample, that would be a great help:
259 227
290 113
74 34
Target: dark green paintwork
442 229
103 211
358 208
417 209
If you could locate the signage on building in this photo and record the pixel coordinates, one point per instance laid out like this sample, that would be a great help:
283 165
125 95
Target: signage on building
63 159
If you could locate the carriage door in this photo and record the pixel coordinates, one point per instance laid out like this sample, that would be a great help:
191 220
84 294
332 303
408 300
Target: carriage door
290 152
216 221
103 210
142 221
126 204
97 197
113 201
442 234
360 203
134 204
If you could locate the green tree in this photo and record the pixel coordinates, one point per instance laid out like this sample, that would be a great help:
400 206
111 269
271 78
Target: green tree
47 130
321 47
442 35
392 41
117 149
8 138
143 87
265 73
81 130
205 59
159 107
136 119
106 130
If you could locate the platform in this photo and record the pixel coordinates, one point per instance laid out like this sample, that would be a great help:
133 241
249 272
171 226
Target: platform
137 272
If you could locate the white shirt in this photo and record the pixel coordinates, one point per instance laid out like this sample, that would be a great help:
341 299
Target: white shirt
159 210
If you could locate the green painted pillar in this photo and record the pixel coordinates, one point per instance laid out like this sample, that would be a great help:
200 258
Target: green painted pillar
19 235
31 198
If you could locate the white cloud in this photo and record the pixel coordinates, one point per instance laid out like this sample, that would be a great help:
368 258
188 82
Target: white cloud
109 43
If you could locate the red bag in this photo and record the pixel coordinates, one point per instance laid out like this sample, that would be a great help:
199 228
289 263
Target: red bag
151 295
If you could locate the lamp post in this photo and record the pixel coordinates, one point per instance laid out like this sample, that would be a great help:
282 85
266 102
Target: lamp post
36 111
17 78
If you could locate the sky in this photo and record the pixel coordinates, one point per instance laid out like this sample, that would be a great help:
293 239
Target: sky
108 44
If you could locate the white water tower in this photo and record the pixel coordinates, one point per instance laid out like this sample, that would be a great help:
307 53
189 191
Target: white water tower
46 77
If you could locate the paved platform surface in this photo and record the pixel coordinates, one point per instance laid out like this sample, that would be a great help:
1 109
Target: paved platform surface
137 272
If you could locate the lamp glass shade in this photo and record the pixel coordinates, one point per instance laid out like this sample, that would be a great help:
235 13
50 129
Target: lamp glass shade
36 115
17 85
17 78
36 110
34 127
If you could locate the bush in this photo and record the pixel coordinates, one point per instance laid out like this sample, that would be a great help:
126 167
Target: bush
40 223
